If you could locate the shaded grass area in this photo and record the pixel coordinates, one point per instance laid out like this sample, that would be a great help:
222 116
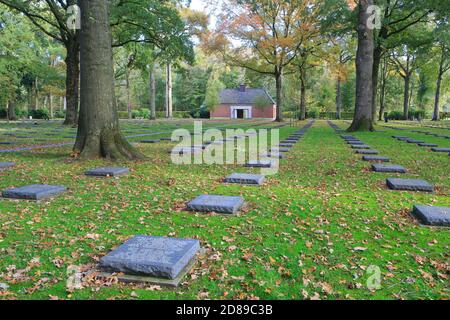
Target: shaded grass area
311 231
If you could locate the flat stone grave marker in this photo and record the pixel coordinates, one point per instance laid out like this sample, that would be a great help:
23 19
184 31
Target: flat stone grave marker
414 141
433 216
409 184
280 149
352 140
360 146
440 149
427 144
376 158
6 142
355 142
150 141
388 168
166 139
366 151
107 172
148 256
33 192
348 137
259 163
214 203
288 145
4 165
403 138
245 178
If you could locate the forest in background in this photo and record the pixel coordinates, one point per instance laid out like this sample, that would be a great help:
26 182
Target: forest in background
33 70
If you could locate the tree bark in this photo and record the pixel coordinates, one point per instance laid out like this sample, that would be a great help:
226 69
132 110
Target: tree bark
98 125
152 93
437 96
72 81
362 120
382 100
32 103
302 115
375 73
50 104
406 97
279 98
169 91
338 98
11 111
383 90
127 79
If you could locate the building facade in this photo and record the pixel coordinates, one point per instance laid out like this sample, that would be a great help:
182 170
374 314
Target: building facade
245 103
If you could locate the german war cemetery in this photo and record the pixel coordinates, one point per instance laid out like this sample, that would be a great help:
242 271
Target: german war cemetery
224 150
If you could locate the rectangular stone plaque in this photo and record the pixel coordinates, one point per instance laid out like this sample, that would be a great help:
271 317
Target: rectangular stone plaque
433 216
376 158
427 144
4 165
441 150
280 149
151 256
366 151
388 168
409 184
33 192
259 163
245 178
288 145
360 146
214 203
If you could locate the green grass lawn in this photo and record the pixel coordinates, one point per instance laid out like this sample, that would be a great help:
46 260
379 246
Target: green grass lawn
311 231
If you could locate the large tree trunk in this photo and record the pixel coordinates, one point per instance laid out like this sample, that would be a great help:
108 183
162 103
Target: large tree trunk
375 72
36 94
279 98
169 91
11 111
50 104
382 100
98 126
130 115
437 96
406 97
338 98
362 120
152 93
383 90
302 115
72 80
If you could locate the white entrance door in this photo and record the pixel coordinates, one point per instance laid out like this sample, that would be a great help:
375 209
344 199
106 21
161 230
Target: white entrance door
241 112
